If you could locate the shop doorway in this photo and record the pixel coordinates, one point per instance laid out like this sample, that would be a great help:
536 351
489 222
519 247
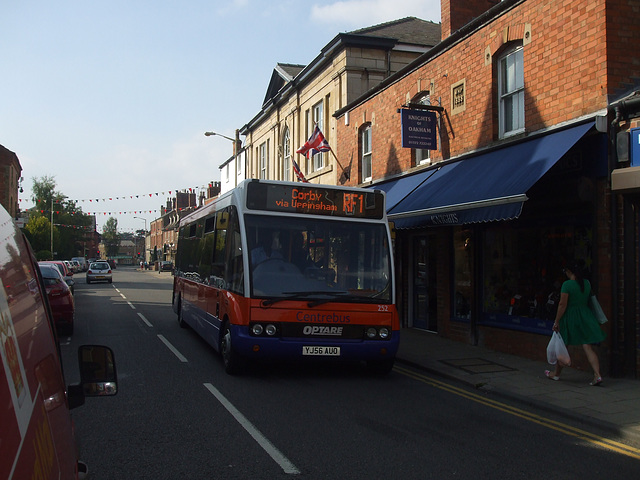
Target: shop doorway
424 298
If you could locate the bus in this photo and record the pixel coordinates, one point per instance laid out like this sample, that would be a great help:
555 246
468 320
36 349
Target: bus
284 270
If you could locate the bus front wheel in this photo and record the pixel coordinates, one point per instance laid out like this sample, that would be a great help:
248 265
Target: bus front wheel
230 358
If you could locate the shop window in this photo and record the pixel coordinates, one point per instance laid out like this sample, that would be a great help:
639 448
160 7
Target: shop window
511 92
463 273
365 152
523 269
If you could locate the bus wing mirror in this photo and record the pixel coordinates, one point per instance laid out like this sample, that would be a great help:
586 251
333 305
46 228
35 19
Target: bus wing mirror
97 371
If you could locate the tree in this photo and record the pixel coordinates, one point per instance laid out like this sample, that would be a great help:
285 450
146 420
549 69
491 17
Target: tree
70 225
110 237
38 231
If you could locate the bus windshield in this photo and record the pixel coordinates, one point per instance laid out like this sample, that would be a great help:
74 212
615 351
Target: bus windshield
317 259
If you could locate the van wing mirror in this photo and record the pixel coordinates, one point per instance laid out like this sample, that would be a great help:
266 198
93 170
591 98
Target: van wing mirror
97 371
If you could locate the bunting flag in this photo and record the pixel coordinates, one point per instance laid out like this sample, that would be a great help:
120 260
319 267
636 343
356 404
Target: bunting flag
298 172
316 144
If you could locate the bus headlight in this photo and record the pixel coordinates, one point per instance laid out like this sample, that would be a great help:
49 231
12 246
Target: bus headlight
384 333
257 329
371 332
271 330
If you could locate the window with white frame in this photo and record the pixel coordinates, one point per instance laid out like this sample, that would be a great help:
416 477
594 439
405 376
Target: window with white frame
422 154
286 155
365 156
317 118
262 160
511 92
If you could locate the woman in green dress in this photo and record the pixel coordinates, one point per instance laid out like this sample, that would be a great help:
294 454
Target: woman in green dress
576 323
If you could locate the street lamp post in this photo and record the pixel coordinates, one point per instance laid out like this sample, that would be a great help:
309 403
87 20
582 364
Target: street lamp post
209 134
236 149
144 247
145 223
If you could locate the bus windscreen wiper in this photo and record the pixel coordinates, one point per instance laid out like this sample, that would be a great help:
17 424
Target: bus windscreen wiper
333 295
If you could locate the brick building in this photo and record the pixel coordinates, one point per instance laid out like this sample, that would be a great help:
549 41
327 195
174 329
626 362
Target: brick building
10 171
531 103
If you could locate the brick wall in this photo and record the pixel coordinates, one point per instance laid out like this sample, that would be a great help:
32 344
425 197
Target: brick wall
565 78
457 13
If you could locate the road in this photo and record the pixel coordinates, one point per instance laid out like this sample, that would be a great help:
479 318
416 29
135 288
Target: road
178 415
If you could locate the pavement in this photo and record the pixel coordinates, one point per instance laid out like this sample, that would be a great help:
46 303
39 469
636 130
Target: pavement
613 406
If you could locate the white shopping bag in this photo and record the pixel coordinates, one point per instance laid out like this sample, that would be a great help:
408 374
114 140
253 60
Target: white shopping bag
557 351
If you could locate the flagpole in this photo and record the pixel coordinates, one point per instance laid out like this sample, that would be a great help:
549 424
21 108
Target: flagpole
334 156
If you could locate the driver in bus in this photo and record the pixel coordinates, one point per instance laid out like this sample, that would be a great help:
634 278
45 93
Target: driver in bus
299 254
268 247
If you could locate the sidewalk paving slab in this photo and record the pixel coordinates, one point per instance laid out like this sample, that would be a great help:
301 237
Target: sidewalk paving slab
613 406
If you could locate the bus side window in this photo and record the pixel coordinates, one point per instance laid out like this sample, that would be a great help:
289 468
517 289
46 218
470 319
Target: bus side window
234 266
218 266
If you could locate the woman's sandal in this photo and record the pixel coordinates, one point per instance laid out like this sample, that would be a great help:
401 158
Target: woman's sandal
596 381
549 374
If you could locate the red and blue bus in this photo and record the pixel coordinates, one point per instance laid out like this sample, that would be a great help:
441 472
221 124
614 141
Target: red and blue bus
282 270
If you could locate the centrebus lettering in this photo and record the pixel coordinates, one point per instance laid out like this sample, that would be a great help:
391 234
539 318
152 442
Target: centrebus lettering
322 317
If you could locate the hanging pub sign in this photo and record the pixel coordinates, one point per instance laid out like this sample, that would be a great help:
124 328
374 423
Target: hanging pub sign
419 129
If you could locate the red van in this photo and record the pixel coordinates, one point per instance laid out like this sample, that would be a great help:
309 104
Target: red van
36 430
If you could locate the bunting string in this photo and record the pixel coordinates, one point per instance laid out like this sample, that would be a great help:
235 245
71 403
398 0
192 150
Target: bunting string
95 202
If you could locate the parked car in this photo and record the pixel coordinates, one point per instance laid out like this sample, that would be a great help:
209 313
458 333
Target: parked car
99 271
60 298
83 263
64 270
166 265
36 428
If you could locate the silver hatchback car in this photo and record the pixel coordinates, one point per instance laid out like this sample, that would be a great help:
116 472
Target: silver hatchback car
99 272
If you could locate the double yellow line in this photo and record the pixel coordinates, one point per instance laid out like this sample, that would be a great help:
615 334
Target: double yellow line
545 422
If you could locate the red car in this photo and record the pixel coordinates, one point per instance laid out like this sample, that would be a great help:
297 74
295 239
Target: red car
60 298
64 270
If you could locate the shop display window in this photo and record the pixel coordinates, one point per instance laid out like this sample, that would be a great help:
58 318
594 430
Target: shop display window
522 268
463 274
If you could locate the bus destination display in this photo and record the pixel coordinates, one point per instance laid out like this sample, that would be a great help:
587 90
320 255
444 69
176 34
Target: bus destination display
315 200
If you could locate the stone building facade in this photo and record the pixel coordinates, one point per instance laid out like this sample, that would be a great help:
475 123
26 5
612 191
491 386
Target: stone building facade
300 97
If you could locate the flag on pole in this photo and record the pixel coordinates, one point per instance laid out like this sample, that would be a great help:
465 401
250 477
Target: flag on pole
316 144
298 172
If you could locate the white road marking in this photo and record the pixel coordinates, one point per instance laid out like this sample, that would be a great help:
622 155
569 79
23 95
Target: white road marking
173 349
145 320
266 445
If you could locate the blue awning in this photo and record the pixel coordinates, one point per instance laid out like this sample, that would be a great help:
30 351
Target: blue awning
399 188
486 187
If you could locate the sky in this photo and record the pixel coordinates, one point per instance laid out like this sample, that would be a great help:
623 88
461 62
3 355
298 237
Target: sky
112 99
